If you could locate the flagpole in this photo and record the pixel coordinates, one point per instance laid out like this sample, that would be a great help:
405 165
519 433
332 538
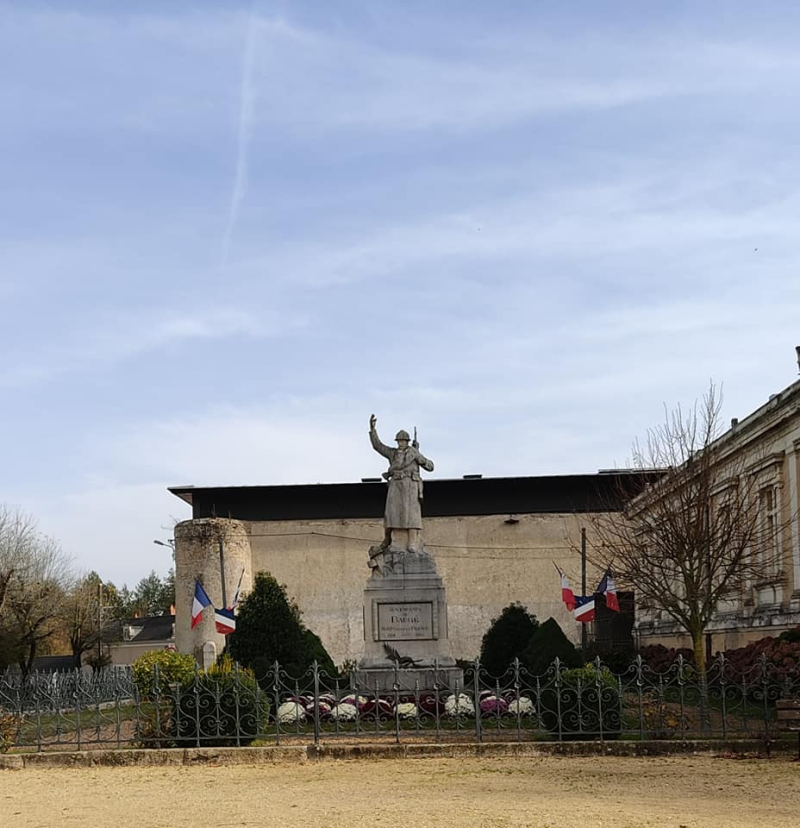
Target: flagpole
222 573
584 631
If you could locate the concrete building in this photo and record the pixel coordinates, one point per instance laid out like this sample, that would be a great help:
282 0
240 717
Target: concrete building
142 635
494 540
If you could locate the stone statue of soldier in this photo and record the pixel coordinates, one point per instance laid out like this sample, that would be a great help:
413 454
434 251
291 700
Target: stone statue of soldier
403 515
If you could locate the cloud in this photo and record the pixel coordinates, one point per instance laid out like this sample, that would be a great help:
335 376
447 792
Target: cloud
120 336
245 127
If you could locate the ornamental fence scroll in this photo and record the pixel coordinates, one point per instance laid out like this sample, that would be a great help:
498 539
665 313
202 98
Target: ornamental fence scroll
237 708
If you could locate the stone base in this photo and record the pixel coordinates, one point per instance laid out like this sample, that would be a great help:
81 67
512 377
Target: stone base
382 680
405 624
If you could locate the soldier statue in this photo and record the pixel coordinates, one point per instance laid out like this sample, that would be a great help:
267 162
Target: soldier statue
404 498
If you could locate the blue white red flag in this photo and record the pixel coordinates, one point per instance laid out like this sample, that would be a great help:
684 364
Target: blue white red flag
608 588
584 608
225 621
567 595
200 602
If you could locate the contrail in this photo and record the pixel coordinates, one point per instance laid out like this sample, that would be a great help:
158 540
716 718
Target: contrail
246 102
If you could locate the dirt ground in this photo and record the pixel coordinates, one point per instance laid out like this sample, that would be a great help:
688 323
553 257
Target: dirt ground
551 792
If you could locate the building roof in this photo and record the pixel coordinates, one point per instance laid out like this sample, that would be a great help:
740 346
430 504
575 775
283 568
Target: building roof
153 627
54 664
442 497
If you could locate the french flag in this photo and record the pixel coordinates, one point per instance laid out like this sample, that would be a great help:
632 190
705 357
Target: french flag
567 595
584 608
225 621
608 588
200 602
224 618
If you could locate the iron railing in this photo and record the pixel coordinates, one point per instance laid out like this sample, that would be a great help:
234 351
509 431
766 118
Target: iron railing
237 708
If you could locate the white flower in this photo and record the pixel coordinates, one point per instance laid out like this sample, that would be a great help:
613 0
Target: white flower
344 712
407 710
523 706
291 712
351 699
460 705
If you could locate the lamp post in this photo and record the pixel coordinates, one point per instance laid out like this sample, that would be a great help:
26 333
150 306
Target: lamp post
170 544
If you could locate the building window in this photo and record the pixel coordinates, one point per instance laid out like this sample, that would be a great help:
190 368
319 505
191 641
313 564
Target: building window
770 550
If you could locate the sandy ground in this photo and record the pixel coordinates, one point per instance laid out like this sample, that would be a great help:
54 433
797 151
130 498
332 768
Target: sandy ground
552 792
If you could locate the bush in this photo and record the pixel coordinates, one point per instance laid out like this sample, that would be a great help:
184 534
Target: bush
9 725
173 668
506 638
660 658
792 636
618 659
780 656
316 651
587 703
216 705
269 629
547 644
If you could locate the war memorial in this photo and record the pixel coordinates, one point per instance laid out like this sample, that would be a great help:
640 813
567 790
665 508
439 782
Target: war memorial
441 557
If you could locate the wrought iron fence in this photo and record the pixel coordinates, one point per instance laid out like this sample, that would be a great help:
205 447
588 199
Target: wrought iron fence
236 707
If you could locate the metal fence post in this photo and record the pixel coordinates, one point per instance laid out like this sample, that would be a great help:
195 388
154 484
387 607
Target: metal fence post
477 700
315 673
517 699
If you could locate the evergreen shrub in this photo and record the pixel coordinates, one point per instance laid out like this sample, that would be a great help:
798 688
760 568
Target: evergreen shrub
547 644
269 629
507 636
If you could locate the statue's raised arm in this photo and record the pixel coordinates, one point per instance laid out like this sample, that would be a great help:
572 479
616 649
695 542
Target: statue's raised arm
383 450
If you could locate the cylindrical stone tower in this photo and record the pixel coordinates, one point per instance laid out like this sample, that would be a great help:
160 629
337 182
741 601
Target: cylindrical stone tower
197 557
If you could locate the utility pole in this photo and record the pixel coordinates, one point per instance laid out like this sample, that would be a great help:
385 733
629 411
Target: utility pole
584 632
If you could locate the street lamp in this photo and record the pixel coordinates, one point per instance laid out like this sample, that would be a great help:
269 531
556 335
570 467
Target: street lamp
170 544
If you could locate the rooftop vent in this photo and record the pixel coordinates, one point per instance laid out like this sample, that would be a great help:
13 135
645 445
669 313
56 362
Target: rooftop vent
734 422
370 480
472 476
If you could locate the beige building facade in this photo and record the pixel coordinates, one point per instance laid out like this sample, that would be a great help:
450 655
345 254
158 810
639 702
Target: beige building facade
759 454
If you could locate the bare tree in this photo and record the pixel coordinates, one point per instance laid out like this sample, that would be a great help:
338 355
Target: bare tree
704 532
17 538
90 615
33 599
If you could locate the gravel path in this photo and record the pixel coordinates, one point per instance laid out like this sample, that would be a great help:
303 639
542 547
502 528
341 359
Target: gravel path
551 792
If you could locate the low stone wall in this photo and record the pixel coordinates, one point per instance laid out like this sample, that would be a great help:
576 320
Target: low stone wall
295 754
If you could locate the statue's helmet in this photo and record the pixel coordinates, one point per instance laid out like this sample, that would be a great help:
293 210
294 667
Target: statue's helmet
402 435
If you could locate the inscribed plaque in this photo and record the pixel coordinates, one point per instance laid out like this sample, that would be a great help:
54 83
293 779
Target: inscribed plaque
405 622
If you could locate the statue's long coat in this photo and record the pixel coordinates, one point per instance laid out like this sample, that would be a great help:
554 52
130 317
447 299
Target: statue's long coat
403 499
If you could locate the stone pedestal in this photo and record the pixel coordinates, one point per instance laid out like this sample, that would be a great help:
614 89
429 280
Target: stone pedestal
405 624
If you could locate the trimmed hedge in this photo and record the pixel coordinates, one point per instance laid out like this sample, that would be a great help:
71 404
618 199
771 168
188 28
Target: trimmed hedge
589 704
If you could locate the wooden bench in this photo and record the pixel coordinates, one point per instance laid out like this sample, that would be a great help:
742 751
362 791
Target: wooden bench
789 717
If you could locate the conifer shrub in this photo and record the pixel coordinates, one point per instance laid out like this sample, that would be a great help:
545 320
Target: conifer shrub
506 638
269 629
548 643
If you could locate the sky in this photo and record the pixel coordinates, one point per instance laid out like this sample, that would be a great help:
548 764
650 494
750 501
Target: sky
230 232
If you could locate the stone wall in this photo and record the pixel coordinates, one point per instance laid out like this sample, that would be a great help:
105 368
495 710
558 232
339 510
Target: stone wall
485 563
